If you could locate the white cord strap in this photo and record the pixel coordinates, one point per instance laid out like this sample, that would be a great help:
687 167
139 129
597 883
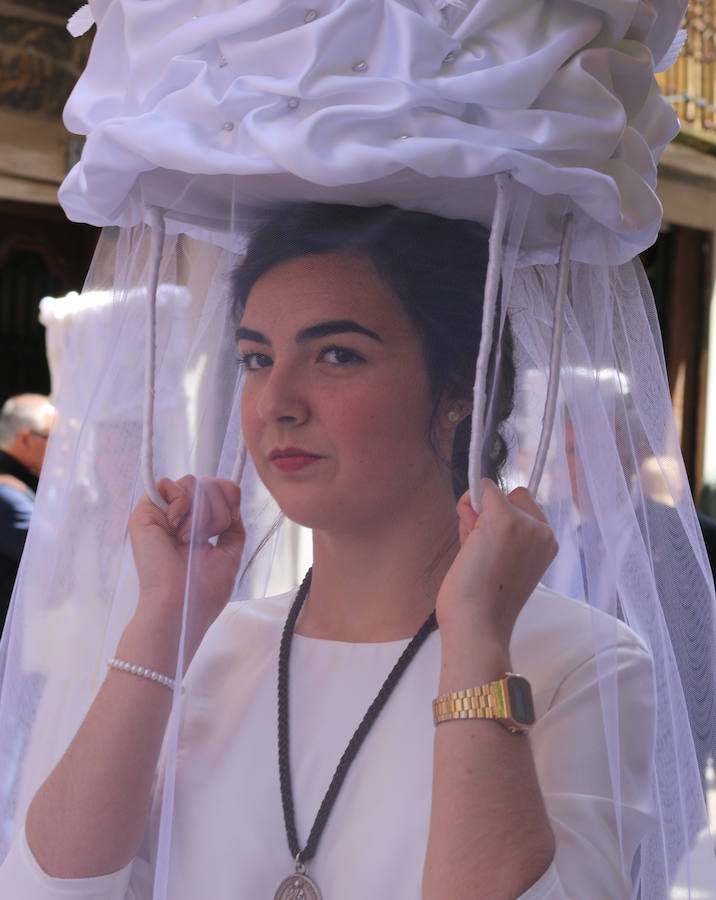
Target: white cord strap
142 672
550 405
156 247
489 306
239 463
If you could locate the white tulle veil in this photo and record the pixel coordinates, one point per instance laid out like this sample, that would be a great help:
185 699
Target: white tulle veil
539 119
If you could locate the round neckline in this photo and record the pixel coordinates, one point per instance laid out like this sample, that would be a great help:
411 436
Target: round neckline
297 636
399 642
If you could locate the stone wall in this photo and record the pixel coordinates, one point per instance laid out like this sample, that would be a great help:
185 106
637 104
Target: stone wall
39 65
39 59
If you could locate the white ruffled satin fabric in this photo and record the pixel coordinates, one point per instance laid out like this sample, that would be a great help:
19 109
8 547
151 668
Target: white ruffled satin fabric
412 102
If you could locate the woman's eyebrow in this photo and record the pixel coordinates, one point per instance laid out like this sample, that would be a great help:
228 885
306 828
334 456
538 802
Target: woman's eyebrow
334 326
312 332
248 334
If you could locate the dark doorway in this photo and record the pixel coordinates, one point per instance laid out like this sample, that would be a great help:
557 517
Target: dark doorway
41 254
679 272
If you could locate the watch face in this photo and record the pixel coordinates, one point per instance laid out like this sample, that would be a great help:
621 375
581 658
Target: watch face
520 694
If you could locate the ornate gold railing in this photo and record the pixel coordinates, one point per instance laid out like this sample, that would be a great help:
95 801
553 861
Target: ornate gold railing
690 84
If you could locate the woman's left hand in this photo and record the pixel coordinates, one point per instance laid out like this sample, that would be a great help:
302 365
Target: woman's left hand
504 552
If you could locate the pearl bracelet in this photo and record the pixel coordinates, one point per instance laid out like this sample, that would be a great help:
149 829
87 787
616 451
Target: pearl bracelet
134 669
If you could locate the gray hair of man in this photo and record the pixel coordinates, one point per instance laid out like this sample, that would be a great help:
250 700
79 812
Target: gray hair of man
21 413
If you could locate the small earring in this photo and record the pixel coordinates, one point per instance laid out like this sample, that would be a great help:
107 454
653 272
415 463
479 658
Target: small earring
453 416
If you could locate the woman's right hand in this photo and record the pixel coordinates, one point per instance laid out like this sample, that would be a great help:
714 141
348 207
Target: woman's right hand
167 545
90 815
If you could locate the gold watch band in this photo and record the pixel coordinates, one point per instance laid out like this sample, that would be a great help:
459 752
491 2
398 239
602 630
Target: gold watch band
471 703
490 701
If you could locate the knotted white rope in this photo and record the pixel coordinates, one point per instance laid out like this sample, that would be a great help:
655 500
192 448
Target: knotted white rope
489 305
550 405
156 246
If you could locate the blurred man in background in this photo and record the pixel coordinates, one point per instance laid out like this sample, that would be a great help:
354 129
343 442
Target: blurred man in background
25 423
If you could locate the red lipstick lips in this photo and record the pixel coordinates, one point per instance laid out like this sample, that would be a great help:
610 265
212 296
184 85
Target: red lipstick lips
292 459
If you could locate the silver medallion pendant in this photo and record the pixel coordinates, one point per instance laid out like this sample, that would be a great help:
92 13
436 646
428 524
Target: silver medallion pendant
298 887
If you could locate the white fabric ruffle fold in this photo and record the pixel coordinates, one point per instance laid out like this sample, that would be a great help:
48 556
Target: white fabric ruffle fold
381 102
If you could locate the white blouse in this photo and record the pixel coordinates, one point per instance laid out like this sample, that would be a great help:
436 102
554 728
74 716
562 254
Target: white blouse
228 840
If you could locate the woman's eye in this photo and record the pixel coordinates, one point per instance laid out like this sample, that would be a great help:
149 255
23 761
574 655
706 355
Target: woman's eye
340 356
252 362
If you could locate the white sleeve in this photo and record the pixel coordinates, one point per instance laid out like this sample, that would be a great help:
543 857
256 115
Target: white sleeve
21 876
573 770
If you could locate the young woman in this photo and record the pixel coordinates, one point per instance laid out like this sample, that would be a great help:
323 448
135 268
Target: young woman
357 331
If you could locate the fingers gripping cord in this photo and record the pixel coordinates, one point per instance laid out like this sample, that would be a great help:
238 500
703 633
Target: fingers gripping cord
156 246
489 306
550 405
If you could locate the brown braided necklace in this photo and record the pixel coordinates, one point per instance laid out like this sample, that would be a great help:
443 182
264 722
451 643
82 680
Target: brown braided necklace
299 886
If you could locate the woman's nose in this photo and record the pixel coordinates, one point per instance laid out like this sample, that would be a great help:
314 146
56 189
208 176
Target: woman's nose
282 398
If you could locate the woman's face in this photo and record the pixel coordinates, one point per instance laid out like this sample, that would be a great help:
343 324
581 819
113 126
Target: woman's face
336 405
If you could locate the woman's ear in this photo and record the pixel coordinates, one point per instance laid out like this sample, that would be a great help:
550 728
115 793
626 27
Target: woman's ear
456 405
456 414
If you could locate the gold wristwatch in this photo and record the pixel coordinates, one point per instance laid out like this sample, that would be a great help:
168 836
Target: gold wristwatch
508 701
